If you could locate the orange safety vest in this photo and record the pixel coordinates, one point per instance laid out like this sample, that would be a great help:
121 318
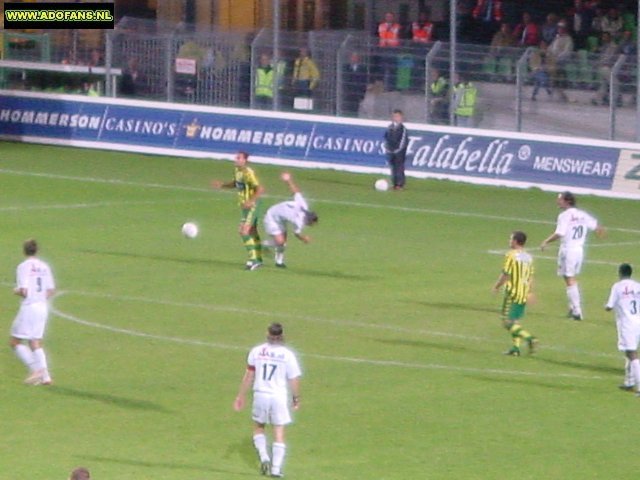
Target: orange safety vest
422 32
389 34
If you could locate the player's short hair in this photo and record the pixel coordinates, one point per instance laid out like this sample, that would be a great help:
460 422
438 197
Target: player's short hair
569 198
243 154
398 111
519 237
275 333
625 270
30 247
310 217
80 473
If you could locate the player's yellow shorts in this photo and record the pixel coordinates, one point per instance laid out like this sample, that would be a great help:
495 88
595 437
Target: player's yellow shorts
249 216
512 311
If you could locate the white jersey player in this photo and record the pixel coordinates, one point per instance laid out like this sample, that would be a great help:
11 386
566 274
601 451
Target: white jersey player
35 284
272 369
292 212
572 228
624 300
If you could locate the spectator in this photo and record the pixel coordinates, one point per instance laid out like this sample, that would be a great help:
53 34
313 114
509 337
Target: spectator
396 141
542 67
488 14
132 80
264 83
613 24
465 96
80 473
627 44
305 74
607 56
389 31
354 80
439 98
95 58
422 30
502 39
526 33
561 49
598 21
581 20
549 28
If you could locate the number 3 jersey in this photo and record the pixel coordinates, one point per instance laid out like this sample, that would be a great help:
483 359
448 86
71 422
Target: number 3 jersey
573 226
624 300
35 276
274 366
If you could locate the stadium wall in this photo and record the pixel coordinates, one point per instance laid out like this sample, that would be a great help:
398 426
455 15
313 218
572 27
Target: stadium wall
312 141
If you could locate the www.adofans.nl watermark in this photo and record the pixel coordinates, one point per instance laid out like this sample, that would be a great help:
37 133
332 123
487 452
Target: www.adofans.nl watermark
58 15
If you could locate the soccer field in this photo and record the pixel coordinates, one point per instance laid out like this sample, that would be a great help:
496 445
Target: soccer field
390 308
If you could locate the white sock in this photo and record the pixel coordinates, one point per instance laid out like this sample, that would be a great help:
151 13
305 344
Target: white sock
279 254
260 442
268 243
41 363
635 372
279 449
573 294
628 379
25 355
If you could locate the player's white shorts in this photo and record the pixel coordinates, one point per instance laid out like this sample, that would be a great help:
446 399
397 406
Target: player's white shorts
30 321
628 336
272 226
270 409
570 262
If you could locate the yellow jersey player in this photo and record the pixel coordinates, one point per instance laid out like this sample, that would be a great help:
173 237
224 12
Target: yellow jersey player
249 193
517 279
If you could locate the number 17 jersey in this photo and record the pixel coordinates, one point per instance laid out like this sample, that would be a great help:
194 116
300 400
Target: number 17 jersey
274 366
573 226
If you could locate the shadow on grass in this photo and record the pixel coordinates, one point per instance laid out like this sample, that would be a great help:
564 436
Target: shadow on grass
162 258
245 450
424 344
335 274
533 382
107 399
165 465
581 366
457 306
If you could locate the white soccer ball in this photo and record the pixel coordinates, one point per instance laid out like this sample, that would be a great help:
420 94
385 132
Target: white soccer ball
190 230
381 185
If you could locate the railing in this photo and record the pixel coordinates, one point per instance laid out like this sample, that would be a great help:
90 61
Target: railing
357 76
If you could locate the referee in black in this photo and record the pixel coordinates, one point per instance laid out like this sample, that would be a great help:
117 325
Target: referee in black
396 140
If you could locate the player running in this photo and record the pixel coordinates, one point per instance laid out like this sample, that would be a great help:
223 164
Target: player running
517 277
271 368
572 228
249 193
624 300
35 284
295 212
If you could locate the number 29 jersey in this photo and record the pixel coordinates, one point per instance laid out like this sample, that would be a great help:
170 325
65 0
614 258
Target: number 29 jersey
573 226
274 366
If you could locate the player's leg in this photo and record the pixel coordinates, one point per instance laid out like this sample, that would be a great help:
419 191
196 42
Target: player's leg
260 415
634 368
518 333
279 419
22 329
280 245
39 314
247 235
570 269
628 383
279 450
508 323
257 241
24 353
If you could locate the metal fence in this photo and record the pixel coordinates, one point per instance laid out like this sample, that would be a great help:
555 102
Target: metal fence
583 93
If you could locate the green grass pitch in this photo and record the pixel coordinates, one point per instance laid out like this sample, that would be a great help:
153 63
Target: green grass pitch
390 308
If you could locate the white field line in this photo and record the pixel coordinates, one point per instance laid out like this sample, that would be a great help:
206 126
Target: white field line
355 360
546 257
613 244
306 318
319 200
65 206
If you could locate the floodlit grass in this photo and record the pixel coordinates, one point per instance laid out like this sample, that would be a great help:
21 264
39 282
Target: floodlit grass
390 308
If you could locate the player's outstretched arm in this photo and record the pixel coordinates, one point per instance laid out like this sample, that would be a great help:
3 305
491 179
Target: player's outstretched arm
502 279
219 184
287 178
294 384
303 238
601 232
551 238
247 381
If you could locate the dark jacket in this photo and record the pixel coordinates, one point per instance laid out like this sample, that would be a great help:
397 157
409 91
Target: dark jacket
396 139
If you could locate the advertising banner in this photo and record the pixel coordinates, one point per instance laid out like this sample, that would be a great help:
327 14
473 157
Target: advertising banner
308 139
